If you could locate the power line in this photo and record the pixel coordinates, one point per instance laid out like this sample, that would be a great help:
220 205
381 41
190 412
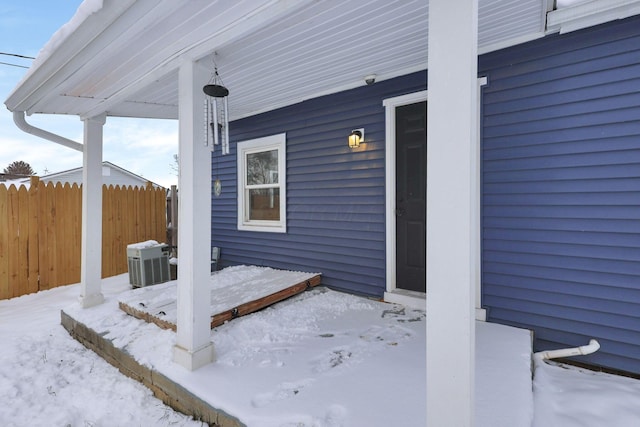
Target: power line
17 55
13 65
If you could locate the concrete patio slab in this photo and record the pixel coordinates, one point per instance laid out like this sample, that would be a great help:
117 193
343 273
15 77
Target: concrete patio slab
320 358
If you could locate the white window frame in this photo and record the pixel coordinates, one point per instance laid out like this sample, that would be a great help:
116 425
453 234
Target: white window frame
267 143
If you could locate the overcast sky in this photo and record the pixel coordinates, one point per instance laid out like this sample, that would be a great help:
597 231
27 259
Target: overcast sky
144 147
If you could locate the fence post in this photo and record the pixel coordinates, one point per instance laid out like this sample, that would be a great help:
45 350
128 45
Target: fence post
174 220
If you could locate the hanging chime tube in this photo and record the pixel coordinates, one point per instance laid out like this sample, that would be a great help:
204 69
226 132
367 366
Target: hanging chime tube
225 136
206 123
216 141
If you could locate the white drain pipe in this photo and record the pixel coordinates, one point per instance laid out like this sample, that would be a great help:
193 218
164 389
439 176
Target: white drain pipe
592 347
18 118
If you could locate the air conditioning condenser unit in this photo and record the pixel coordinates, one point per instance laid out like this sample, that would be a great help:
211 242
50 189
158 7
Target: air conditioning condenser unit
148 265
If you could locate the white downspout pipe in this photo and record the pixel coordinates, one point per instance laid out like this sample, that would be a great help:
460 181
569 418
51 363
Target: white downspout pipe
19 119
592 347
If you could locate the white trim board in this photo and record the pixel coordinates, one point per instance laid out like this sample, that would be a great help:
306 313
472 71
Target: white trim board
392 293
590 13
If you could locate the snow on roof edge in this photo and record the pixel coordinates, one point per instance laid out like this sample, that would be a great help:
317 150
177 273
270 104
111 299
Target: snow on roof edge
86 8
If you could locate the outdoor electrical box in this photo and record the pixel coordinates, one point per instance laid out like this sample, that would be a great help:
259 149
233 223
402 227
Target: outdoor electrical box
148 265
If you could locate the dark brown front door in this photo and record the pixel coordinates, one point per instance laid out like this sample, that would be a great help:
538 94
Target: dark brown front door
411 195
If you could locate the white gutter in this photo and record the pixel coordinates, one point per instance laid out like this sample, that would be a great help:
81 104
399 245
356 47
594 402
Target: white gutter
18 118
589 13
592 347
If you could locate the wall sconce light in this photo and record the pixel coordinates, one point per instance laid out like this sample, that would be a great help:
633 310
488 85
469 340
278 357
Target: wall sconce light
356 138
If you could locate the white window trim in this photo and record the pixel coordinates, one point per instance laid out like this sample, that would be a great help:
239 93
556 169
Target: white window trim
272 142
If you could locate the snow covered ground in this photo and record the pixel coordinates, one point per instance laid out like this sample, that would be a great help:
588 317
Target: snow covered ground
48 379
229 289
566 396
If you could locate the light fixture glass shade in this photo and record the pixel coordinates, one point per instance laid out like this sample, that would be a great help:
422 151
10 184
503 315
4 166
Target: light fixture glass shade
356 137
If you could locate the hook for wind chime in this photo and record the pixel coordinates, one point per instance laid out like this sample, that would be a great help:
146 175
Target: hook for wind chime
217 114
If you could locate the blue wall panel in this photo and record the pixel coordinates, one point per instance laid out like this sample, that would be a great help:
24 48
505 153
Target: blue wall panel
561 190
335 196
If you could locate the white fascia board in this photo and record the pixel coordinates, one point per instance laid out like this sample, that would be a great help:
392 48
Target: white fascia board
590 13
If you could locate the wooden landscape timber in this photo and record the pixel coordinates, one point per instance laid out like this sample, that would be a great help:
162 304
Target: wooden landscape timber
218 319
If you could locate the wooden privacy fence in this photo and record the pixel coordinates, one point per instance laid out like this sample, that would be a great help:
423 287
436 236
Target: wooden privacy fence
41 231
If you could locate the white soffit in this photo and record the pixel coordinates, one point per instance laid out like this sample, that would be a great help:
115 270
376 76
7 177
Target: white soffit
580 14
322 49
504 23
270 53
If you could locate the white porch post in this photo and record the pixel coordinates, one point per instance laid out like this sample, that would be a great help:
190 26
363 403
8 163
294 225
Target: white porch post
193 347
91 260
451 108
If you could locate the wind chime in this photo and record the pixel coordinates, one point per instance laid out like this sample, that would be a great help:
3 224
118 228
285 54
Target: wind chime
216 120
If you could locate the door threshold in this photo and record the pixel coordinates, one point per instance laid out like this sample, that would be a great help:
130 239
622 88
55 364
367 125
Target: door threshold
418 300
411 299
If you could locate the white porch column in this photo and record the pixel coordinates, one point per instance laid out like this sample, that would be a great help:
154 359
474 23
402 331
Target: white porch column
451 108
193 347
91 261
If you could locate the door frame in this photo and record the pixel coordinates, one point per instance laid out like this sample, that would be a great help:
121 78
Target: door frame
393 293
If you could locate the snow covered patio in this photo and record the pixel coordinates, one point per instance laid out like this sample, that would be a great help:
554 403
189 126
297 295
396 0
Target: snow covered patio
236 291
321 358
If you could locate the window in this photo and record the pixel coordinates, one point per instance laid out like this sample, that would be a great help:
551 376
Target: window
262 184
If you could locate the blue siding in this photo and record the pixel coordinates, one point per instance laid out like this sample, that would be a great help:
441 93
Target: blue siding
561 190
335 196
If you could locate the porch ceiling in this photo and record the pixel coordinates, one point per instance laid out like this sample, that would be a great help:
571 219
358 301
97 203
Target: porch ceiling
123 59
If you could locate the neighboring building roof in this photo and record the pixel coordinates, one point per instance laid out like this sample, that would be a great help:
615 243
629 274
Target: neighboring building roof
111 175
6 177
